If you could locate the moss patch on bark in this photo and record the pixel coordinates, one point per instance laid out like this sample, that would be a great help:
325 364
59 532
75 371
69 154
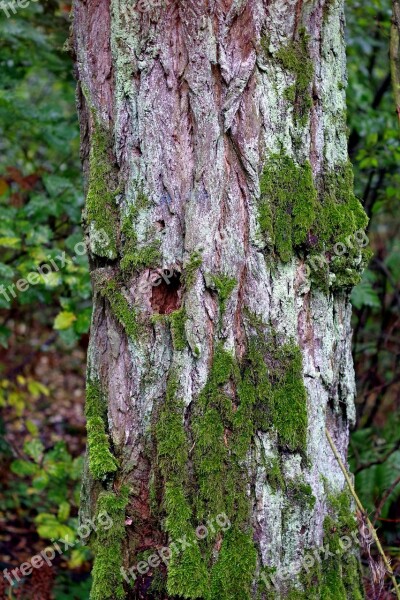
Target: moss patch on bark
187 574
177 321
124 313
224 286
101 213
190 269
324 226
102 463
136 256
287 208
108 545
295 58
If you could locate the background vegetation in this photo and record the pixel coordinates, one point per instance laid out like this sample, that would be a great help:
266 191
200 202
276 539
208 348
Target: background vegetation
43 331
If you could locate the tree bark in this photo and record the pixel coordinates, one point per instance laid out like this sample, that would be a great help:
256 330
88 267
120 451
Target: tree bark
224 239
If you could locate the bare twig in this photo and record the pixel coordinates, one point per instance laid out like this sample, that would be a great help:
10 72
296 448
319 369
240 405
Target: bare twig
395 53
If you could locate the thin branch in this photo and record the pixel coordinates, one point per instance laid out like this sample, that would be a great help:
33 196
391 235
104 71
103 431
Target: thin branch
395 53
364 513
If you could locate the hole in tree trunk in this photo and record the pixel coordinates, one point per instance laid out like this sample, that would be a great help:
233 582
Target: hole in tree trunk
165 297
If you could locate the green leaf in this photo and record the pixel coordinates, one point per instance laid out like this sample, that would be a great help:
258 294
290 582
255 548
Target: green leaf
10 242
23 468
4 336
6 272
365 295
40 480
48 526
37 389
64 320
64 511
83 321
34 448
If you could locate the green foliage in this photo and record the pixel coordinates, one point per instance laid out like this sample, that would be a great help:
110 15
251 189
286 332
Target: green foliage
364 294
375 154
375 457
51 472
47 485
41 194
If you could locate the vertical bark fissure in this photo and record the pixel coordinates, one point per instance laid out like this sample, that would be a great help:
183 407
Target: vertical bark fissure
218 158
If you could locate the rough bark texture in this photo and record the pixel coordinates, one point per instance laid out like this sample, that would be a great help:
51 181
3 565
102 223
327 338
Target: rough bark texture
214 145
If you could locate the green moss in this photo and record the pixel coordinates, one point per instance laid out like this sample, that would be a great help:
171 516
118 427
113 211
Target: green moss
300 493
212 415
274 474
158 586
289 398
213 476
101 461
294 219
287 208
187 574
136 257
339 217
101 214
290 94
107 578
295 58
147 257
120 307
340 213
177 320
191 267
224 286
341 575
233 573
265 42
276 374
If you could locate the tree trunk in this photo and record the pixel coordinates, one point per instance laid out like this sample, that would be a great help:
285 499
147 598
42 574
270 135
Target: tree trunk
224 239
